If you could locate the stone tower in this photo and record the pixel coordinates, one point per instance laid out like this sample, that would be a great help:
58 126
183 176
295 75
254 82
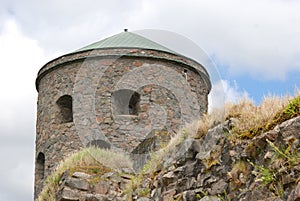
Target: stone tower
125 92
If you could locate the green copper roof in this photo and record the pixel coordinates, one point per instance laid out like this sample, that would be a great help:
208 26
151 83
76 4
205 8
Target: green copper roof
126 40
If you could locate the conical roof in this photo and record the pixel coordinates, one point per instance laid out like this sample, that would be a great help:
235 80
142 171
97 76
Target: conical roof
126 40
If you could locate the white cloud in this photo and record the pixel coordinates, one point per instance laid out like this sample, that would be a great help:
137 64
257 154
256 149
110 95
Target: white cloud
68 25
257 37
17 169
224 91
21 57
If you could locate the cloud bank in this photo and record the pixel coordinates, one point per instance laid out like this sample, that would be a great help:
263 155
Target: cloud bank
258 38
20 59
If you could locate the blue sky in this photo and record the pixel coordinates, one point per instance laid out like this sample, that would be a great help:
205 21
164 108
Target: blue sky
254 44
268 87
257 87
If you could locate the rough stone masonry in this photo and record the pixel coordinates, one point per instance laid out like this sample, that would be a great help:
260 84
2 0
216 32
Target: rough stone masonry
124 98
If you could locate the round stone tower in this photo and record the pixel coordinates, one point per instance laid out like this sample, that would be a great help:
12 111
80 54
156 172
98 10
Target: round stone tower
125 92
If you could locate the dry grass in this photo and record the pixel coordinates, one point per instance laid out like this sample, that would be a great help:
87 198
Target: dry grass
158 157
252 119
208 121
111 159
156 162
251 116
89 160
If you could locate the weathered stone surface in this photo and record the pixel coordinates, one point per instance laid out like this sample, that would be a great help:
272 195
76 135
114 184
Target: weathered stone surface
289 128
168 195
231 175
93 197
213 141
77 184
102 187
168 178
109 189
187 151
81 175
176 84
218 188
210 198
69 194
143 199
295 194
189 196
192 180
273 199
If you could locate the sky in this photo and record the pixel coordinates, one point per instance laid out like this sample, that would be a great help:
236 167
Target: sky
254 45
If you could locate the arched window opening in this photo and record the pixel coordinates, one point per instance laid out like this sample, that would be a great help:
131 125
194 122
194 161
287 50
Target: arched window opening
126 102
134 104
40 166
65 109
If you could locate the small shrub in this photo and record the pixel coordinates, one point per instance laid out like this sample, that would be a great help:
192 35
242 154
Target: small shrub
291 157
263 174
144 192
293 108
290 110
238 168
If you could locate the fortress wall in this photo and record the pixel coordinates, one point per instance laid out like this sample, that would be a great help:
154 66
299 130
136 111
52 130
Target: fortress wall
157 111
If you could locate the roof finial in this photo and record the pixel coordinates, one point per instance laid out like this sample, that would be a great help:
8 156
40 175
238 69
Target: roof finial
125 30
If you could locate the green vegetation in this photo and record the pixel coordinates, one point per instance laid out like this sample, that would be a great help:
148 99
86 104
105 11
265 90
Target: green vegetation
292 109
283 160
291 157
254 120
153 166
251 122
93 161
263 174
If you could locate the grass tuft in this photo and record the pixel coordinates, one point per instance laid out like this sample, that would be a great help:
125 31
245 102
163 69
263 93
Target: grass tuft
89 160
254 120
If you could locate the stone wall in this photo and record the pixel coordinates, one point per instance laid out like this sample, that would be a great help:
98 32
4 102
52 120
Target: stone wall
211 168
172 91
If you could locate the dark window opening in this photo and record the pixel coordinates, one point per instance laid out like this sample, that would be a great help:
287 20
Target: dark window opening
126 102
134 104
40 166
65 109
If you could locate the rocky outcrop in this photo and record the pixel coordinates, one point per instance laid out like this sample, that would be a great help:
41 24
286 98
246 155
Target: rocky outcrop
219 166
85 187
